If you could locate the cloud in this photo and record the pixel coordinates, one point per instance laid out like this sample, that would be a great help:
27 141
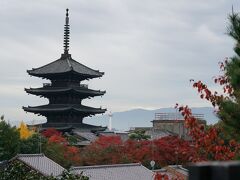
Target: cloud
148 50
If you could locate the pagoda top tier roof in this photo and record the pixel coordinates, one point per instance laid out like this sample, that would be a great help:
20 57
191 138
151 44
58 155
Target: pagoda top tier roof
65 65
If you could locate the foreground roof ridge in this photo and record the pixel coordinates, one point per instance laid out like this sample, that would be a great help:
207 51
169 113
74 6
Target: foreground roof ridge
25 155
106 166
40 154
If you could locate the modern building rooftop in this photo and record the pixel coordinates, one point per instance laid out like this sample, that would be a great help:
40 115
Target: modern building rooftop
175 116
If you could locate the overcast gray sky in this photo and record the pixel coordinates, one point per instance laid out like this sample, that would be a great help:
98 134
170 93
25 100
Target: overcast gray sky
148 49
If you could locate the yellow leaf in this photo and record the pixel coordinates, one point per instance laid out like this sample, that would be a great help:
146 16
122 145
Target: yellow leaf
24 131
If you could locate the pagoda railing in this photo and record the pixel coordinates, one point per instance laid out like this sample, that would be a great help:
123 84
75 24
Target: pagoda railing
81 85
84 85
47 84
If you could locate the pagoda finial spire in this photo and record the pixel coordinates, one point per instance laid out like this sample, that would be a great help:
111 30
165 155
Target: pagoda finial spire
66 34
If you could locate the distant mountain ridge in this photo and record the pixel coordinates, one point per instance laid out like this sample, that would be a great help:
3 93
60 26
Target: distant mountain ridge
137 117
143 117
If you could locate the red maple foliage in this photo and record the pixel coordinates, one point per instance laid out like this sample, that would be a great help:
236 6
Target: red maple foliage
208 142
55 139
107 141
160 176
72 154
173 150
105 150
164 151
50 132
214 97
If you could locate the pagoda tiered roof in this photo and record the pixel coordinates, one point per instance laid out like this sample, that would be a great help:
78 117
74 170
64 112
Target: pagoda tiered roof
57 108
50 90
65 65
65 91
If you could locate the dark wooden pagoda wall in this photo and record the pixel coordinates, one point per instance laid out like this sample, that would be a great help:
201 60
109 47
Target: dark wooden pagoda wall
62 83
66 99
69 98
65 118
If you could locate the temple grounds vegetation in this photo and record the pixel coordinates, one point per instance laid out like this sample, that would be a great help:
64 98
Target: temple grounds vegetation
105 150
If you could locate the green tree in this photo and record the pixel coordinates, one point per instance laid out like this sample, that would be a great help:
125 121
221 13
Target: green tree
229 108
139 135
67 175
56 152
229 103
9 140
17 170
72 140
32 144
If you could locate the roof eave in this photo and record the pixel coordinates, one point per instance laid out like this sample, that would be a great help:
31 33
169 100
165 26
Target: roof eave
48 75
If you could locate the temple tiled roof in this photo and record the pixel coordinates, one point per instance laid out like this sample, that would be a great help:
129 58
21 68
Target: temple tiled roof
64 107
64 65
87 135
134 171
41 164
53 90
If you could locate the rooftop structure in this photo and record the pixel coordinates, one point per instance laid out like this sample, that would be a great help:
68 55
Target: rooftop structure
175 116
173 123
66 91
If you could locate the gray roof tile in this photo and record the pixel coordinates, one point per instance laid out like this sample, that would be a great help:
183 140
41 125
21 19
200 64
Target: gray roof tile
158 133
87 135
133 171
41 164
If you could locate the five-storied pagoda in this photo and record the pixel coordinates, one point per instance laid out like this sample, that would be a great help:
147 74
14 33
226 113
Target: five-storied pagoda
65 92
